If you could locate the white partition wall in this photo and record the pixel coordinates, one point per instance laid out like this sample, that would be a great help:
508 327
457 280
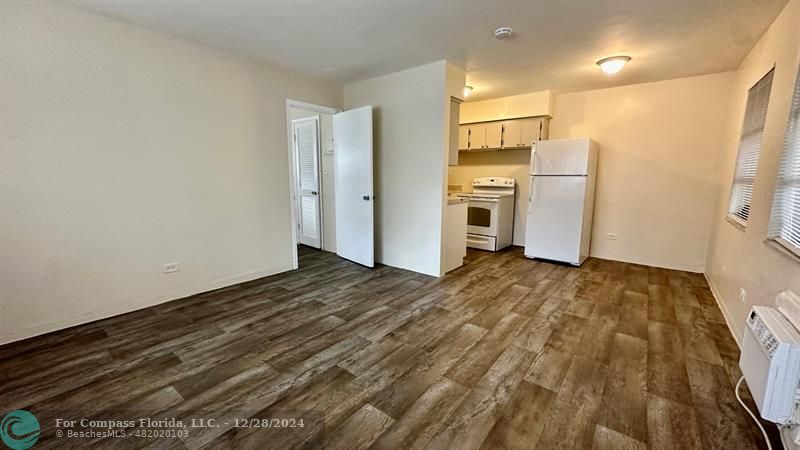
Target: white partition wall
411 108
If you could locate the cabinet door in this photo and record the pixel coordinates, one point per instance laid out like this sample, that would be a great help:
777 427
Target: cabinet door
512 134
494 135
531 131
545 129
463 137
455 109
477 136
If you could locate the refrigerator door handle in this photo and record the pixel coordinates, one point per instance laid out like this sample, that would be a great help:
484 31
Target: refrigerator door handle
530 195
533 157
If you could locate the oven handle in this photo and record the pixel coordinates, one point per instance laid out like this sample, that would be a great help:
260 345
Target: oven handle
472 239
483 200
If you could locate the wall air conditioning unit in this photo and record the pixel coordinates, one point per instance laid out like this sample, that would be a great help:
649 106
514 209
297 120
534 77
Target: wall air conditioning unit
770 362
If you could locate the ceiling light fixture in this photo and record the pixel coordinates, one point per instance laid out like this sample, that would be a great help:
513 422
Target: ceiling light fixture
613 64
503 33
467 90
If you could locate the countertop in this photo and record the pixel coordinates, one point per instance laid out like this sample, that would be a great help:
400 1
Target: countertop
454 200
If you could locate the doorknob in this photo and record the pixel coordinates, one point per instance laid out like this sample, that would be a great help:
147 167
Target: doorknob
313 192
366 197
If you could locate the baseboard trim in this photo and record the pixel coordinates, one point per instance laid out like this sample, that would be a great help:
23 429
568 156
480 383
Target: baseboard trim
248 276
723 308
693 269
124 308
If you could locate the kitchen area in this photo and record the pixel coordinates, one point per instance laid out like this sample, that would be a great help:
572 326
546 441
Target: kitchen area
494 161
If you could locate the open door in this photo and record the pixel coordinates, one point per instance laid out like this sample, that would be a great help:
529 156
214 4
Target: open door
352 155
306 145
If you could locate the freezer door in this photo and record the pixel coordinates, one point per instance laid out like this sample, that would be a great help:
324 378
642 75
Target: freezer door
555 218
561 157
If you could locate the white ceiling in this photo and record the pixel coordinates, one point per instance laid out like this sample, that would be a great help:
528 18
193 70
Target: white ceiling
555 46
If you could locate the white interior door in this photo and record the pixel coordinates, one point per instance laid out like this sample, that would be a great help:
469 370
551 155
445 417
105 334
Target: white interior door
352 155
306 146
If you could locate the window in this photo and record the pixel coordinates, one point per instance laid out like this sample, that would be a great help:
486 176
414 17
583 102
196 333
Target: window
749 147
784 223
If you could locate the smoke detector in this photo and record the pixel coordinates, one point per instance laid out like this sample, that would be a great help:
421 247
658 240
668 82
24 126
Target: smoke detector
503 33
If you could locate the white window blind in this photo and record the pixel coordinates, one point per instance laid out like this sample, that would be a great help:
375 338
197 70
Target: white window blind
749 149
784 224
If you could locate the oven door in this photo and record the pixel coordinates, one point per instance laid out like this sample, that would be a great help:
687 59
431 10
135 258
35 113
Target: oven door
482 216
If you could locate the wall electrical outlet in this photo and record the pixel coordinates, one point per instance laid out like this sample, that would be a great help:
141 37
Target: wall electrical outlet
611 236
742 295
172 267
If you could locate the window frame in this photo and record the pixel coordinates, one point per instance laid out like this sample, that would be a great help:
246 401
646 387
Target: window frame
730 215
776 213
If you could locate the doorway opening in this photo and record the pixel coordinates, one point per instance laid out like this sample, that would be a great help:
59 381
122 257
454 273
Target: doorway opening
331 181
310 137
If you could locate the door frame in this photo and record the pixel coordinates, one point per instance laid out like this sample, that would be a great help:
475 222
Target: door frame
292 168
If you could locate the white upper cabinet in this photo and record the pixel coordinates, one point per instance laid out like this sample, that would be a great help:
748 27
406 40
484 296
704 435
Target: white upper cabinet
455 133
494 135
530 131
463 137
512 134
508 134
477 136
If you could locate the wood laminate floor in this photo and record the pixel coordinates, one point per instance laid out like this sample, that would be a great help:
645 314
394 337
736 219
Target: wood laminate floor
503 353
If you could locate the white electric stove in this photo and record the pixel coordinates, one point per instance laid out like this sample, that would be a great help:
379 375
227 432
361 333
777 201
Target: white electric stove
490 213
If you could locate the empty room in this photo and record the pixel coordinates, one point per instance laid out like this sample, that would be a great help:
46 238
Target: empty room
359 224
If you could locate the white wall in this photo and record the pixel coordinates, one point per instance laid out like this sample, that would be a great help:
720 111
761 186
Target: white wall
524 105
122 149
659 149
326 168
742 258
409 125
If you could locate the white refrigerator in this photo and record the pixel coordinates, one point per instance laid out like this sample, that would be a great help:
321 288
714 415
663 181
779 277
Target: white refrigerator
561 200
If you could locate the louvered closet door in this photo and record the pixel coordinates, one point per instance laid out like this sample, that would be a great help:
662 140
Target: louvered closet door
306 143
